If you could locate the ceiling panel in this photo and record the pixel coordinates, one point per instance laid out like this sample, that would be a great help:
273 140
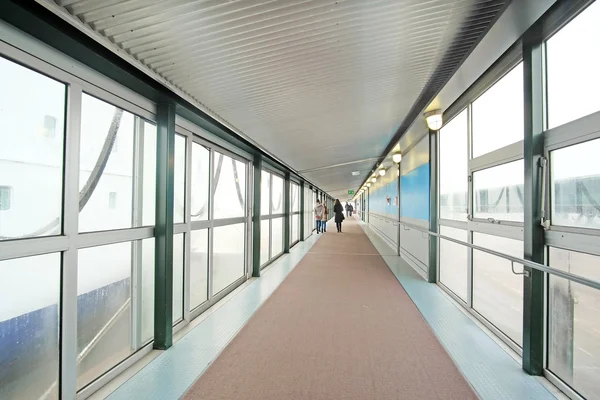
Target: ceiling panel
314 82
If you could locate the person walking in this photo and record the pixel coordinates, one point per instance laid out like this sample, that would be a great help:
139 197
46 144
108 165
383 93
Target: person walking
325 218
319 215
351 210
339 215
347 209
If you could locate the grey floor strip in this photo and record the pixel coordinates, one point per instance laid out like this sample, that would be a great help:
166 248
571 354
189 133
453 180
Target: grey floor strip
492 372
173 372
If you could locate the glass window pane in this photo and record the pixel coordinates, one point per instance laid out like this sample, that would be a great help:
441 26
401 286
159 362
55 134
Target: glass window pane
498 114
277 237
573 79
31 154
497 292
110 137
264 241
179 178
178 267
230 187
146 199
200 173
228 255
295 197
295 228
29 296
277 195
198 268
498 192
573 323
454 261
103 294
265 192
454 170
576 185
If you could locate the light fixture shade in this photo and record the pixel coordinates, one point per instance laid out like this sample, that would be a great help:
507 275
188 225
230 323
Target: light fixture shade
382 171
374 180
397 157
434 119
369 184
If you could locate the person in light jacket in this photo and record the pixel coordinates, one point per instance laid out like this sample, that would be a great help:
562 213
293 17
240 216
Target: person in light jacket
325 218
319 210
338 209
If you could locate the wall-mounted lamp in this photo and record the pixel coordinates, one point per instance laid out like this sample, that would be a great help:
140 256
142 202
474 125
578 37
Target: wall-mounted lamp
397 157
434 119
373 180
382 171
369 184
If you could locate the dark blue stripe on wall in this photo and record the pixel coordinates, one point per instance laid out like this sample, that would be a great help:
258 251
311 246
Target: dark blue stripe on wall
414 193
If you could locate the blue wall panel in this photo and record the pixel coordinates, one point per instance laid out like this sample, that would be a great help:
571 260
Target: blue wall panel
414 188
379 200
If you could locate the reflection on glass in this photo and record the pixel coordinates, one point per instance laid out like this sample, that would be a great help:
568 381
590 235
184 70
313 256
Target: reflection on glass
264 241
454 261
573 323
295 197
228 256
498 192
32 109
107 140
573 95
497 291
453 169
145 199
277 237
576 185
179 179
103 309
265 192
230 187
295 227
110 140
277 195
200 173
198 268
29 295
178 267
498 114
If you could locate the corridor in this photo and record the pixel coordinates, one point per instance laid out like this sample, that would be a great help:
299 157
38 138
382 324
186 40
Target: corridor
339 327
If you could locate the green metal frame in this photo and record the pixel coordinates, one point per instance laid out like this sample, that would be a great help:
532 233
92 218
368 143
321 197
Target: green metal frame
288 215
257 166
163 245
533 282
302 216
433 207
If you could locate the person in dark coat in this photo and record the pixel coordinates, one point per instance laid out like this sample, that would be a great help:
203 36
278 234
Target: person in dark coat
338 209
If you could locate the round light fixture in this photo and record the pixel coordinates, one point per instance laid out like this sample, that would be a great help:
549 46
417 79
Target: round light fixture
374 180
369 184
434 119
382 171
397 157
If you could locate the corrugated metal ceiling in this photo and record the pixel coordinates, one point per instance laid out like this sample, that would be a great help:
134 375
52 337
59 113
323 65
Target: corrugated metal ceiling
315 82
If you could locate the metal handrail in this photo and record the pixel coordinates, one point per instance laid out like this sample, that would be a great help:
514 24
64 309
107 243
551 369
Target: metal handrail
531 264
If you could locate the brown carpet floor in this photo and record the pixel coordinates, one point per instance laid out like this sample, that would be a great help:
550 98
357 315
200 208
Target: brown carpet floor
339 327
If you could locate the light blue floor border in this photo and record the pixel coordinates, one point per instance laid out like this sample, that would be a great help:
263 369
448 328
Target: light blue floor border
492 372
170 374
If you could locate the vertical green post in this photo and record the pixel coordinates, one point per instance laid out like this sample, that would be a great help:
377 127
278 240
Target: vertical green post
163 241
302 216
257 169
288 215
533 281
433 207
